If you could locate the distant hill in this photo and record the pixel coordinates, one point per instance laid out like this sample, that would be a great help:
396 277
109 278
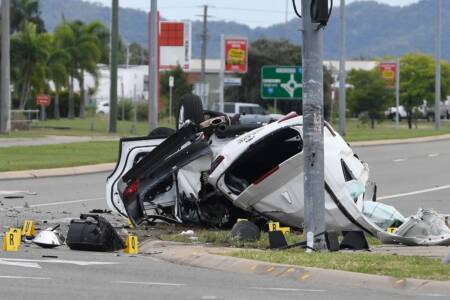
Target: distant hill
373 29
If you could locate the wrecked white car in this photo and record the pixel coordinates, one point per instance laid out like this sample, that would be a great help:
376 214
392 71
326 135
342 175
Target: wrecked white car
217 172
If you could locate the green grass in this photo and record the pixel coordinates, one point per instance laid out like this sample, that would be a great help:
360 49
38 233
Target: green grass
389 265
57 156
355 131
85 127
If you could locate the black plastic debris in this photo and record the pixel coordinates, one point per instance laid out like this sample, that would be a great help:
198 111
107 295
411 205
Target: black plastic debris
246 231
354 240
93 233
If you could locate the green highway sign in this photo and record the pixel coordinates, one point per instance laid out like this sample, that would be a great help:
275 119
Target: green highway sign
281 82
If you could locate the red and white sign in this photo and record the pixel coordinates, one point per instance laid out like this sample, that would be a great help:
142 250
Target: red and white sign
388 72
236 54
43 100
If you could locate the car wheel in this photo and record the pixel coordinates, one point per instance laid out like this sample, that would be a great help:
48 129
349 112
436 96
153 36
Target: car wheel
161 132
190 108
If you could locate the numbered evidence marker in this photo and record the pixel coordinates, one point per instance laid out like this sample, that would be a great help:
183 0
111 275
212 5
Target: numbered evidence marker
275 226
131 245
12 239
28 229
391 229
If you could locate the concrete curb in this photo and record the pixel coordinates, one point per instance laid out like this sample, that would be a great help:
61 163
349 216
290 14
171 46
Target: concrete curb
29 174
207 257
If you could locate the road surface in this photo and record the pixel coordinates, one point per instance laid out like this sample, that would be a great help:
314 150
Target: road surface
409 176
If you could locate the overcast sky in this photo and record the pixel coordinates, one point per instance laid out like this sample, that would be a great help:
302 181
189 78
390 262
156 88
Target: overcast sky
251 12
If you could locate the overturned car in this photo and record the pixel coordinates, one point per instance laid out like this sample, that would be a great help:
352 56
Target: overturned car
213 170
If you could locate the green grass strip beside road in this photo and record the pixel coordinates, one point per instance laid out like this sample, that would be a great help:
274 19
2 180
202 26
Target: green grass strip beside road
57 156
369 263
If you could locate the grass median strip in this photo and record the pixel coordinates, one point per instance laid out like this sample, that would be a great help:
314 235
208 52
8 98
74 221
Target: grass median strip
360 262
57 156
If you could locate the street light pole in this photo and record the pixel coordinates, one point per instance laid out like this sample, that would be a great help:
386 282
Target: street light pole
437 100
153 72
113 71
342 73
313 141
5 101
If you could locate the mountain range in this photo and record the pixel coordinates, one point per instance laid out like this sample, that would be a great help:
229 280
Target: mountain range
372 29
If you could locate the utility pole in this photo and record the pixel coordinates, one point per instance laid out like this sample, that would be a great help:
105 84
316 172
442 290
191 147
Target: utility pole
342 73
437 100
5 101
153 72
397 94
113 71
204 37
222 72
313 141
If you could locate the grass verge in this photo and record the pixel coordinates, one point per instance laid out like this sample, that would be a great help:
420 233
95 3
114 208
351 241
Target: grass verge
361 262
57 156
387 265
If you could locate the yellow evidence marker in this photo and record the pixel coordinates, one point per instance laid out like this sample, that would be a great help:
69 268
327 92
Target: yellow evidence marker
12 239
391 229
275 226
131 244
28 229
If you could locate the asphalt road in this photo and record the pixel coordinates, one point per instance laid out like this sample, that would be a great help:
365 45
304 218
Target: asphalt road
398 170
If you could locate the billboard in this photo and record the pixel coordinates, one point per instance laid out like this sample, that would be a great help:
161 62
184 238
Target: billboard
388 72
236 54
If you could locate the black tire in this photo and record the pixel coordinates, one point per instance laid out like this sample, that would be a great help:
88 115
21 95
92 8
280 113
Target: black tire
161 132
190 108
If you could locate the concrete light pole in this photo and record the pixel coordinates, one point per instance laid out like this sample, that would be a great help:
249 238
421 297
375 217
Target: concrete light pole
342 73
153 71
113 70
437 99
5 101
314 194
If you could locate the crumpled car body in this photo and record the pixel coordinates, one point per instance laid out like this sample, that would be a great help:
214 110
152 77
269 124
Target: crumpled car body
192 176
215 175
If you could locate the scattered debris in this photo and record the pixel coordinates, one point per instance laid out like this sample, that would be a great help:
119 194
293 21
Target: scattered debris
16 193
49 238
26 205
187 232
50 256
93 233
100 211
246 231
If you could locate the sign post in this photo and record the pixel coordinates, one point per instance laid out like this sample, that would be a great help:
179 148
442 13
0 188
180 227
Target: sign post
390 72
44 101
171 84
281 82
233 59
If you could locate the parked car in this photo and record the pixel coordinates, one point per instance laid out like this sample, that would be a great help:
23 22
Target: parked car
102 108
250 113
392 111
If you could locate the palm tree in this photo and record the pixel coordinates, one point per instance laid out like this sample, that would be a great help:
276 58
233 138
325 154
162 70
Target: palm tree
26 11
83 47
29 53
57 72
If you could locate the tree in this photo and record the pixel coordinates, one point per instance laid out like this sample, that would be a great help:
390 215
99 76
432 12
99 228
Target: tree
417 81
181 85
29 54
83 46
138 54
57 72
26 11
370 94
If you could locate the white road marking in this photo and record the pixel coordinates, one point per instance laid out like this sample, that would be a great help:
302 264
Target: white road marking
59 261
433 154
24 277
17 192
151 283
20 264
287 289
399 160
61 203
444 187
